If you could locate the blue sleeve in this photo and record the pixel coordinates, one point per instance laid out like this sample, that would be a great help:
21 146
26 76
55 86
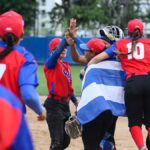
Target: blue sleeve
28 72
52 60
111 51
31 98
73 98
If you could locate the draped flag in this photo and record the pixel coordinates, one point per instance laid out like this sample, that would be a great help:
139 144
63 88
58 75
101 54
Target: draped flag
102 89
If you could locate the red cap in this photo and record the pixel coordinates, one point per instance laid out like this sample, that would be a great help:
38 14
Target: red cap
96 45
54 43
135 24
11 22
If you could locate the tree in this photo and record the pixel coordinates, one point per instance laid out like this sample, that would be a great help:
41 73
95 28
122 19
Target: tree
92 14
27 8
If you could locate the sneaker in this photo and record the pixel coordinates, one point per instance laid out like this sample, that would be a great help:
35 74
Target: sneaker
107 145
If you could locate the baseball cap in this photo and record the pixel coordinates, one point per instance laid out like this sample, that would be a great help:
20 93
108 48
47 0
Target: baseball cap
135 24
95 45
11 22
54 43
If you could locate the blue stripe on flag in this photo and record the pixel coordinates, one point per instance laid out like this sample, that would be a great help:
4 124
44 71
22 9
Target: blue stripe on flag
93 108
104 76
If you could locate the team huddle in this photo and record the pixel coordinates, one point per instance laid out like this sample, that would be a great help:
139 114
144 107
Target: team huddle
123 65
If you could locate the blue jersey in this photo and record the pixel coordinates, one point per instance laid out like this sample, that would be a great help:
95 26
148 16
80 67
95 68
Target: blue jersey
14 132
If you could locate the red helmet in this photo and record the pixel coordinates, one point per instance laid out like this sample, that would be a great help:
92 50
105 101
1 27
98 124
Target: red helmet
54 43
135 24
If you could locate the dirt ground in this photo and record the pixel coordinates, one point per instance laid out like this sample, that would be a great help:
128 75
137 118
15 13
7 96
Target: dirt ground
41 137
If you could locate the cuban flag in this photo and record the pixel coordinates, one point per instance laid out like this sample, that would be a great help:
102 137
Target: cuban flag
102 89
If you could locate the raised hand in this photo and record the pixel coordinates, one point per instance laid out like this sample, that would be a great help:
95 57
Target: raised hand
72 28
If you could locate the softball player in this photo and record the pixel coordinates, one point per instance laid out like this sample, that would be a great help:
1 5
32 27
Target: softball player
60 91
108 36
14 132
134 56
18 66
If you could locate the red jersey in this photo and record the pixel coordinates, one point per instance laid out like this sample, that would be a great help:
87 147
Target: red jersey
17 68
138 62
59 80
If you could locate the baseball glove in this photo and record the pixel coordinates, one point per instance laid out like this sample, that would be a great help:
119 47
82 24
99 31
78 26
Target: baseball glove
73 128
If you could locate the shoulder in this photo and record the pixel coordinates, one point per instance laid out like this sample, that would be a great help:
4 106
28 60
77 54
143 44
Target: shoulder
144 40
24 52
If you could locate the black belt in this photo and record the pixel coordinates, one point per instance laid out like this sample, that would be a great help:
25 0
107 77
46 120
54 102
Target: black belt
60 98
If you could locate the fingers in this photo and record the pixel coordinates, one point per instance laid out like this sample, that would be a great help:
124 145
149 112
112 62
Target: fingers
72 23
73 26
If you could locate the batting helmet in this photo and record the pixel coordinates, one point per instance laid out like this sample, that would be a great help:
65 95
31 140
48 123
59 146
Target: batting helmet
111 33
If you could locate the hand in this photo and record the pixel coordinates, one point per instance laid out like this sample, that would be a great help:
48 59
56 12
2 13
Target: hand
72 28
69 39
41 117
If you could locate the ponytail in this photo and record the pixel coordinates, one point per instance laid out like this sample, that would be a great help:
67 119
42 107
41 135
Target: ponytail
10 40
135 35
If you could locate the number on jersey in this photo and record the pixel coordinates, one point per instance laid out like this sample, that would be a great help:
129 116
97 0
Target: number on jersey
138 53
2 70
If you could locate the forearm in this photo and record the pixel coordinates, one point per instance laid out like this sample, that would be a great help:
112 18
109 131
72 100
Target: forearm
100 57
74 54
31 98
52 60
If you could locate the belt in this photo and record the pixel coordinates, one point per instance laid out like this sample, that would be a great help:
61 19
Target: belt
60 98
134 74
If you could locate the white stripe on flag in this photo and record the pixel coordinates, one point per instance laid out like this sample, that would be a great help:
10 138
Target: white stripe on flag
112 93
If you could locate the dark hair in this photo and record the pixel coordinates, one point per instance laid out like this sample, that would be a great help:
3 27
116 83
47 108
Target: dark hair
135 35
10 40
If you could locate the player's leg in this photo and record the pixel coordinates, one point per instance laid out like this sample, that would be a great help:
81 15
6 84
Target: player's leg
108 141
94 131
134 96
147 112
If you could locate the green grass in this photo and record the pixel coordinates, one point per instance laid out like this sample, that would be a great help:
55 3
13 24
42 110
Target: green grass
42 88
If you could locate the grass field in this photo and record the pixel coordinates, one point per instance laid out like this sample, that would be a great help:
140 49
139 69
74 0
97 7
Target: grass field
42 89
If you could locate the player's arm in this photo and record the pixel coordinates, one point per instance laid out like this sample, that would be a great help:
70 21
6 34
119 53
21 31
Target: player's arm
74 53
31 98
108 53
74 42
52 60
28 81
77 57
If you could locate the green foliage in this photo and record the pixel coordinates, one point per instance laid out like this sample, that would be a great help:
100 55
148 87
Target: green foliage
27 8
42 88
92 14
